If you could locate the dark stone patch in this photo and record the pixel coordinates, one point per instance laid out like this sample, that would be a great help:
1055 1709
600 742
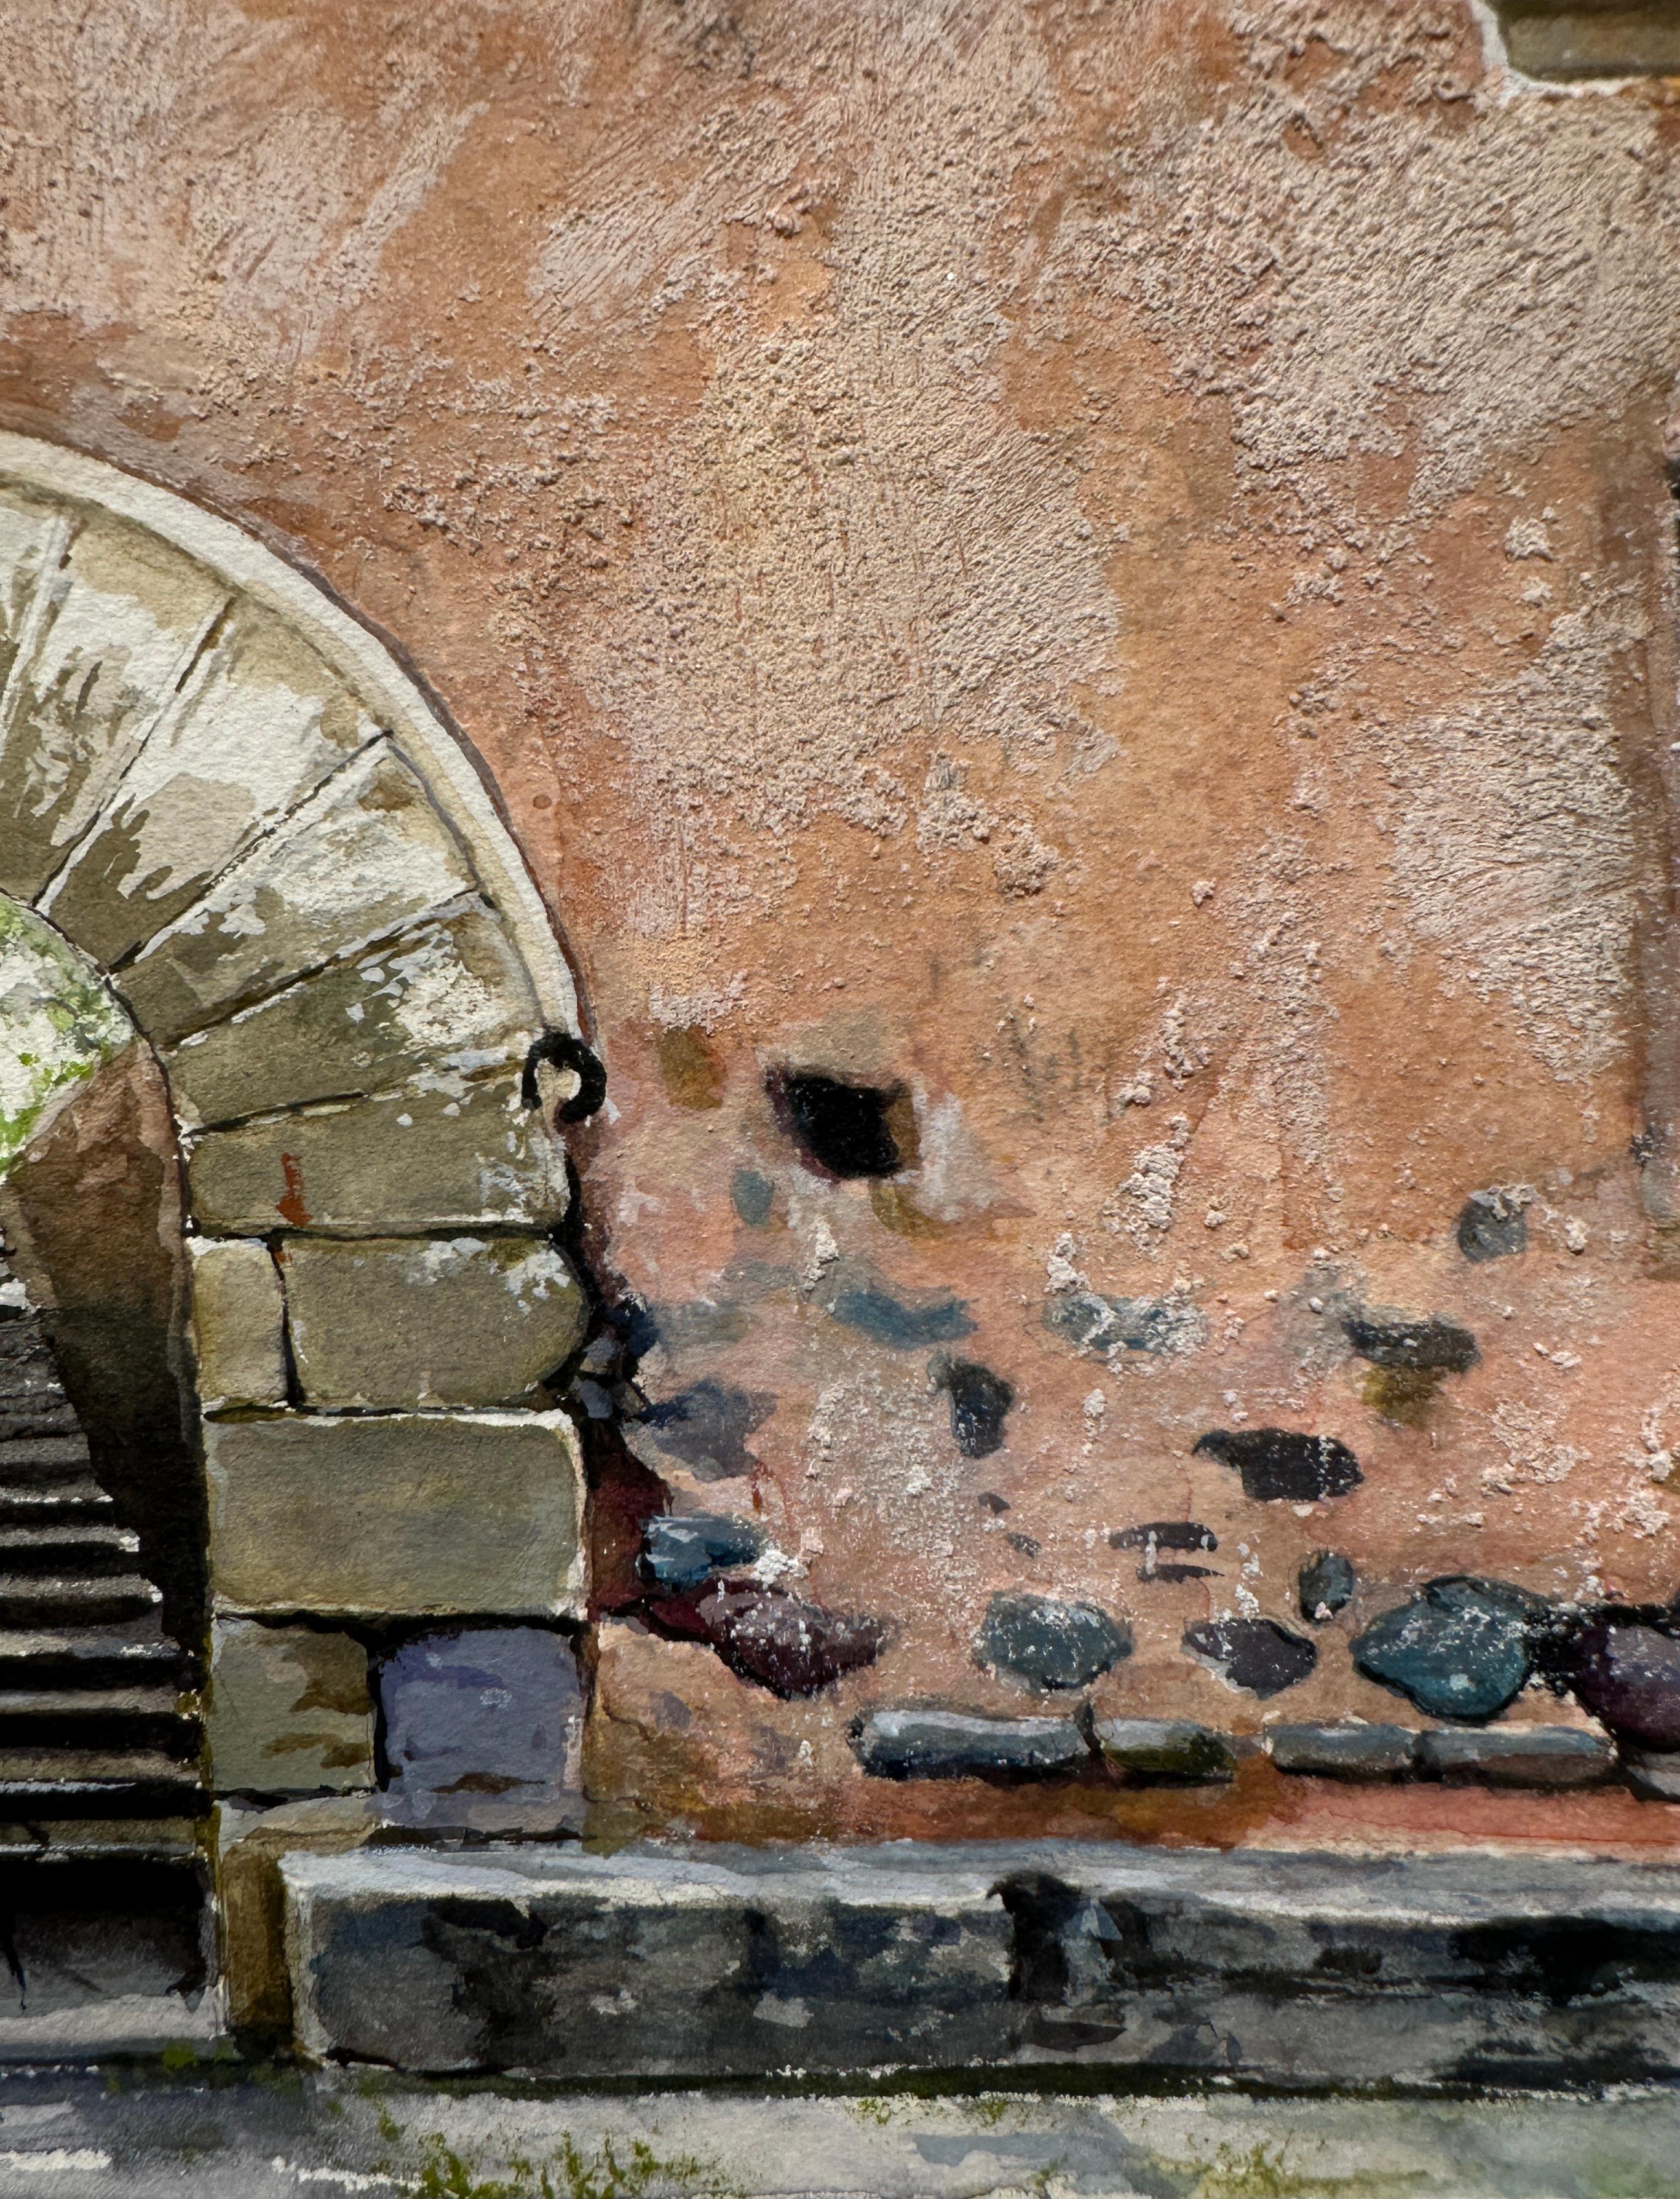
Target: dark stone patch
933 1744
1175 1573
997 1505
1164 1535
1343 1751
707 1428
886 1319
688 1065
1627 1673
753 1195
1518 1756
842 1129
1654 1777
1325 1582
1283 1465
1049 1644
1163 1751
1097 1325
1256 1654
1023 1544
1461 1648
979 1402
682 1551
1492 1226
775 1640
1434 1346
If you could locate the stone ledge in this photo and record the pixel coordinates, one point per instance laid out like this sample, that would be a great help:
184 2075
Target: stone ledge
1276 1969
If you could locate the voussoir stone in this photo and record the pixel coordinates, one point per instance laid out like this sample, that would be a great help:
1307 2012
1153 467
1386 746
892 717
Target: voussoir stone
428 1320
366 855
451 998
1044 1643
461 1152
288 1710
1343 1751
1163 1751
409 1513
1518 1756
260 722
238 1323
933 1744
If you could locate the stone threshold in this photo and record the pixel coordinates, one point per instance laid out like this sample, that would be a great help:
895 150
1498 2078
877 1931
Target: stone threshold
1296 1971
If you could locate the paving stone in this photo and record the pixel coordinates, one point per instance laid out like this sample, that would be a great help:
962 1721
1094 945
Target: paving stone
365 856
459 1152
123 617
410 1513
933 1744
1628 1674
682 1551
1048 1644
238 1323
481 1712
1326 1585
1256 1654
288 1710
1163 1751
1343 1751
547 1962
451 999
1461 1648
258 725
428 1320
1518 1756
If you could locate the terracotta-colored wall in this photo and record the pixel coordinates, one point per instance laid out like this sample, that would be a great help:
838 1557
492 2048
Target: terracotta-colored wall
1109 564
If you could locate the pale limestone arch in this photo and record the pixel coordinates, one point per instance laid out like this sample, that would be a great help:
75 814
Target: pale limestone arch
228 795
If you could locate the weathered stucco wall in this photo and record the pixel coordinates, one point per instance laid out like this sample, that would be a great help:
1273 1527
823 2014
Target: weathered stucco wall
1108 566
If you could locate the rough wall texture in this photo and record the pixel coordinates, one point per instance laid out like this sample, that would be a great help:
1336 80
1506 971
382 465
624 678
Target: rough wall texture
1105 570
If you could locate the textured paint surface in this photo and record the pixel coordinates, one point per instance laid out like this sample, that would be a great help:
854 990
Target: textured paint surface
1104 576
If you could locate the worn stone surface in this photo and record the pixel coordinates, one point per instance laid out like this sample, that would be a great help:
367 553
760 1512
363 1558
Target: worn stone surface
1047 1644
1628 1674
681 1551
288 1710
1163 1751
461 1151
1518 1756
451 998
481 1714
1343 1752
935 1744
413 1513
238 1323
429 1320
1461 1648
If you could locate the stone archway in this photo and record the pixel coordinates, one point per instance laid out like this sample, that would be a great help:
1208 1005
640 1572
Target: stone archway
227 796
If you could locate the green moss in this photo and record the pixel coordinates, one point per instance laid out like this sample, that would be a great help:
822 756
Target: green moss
58 1023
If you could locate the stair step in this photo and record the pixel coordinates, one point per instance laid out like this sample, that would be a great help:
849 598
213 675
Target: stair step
27 1456
76 1496
92 1656
76 1549
23 1422
95 1782
57 1718
74 1599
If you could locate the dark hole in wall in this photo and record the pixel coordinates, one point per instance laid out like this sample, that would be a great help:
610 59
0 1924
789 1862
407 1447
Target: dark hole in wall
843 1128
95 1209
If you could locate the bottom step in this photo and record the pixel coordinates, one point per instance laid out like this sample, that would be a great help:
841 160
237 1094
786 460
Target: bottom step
69 1782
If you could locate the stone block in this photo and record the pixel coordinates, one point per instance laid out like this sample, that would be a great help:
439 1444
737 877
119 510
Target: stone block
428 1320
406 1514
568 1965
1518 1756
289 1710
1654 1775
456 1153
238 1323
1039 1642
250 1844
1343 1751
680 1551
930 1744
451 999
365 856
257 726
483 1713
1163 1751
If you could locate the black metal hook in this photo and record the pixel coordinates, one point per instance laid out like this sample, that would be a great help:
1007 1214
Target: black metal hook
560 1050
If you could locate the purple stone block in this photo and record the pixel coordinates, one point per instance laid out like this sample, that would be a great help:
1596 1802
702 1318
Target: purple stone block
483 1727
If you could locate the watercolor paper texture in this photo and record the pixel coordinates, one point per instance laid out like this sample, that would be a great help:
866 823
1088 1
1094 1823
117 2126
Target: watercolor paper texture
839 1202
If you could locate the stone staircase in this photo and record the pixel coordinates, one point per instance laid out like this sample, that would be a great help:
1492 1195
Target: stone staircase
90 1722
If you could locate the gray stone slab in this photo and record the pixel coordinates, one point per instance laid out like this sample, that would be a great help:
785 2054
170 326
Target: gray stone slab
481 1715
931 1744
397 1514
456 1152
1656 1777
428 1320
1343 1751
452 1000
1518 1756
1173 1751
364 857
1276 1967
